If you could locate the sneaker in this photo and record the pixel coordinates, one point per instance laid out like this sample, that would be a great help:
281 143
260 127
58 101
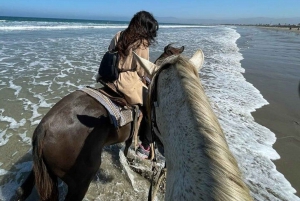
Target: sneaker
142 152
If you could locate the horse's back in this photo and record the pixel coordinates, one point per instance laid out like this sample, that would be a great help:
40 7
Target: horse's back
77 101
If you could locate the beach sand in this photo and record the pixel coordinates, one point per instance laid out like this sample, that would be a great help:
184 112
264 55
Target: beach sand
282 115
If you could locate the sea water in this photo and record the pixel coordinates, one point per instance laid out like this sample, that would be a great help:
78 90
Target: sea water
42 60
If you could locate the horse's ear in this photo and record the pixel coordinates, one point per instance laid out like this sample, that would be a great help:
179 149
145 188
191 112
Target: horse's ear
167 47
149 67
181 49
198 59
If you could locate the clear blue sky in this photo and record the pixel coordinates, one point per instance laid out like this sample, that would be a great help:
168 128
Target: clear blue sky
184 9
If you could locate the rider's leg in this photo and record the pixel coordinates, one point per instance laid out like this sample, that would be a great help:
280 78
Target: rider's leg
144 136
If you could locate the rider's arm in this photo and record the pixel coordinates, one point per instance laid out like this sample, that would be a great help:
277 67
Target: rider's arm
144 53
114 41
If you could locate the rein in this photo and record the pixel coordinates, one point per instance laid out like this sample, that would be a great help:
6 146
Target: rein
153 101
155 130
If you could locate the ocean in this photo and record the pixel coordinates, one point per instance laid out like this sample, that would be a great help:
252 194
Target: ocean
42 60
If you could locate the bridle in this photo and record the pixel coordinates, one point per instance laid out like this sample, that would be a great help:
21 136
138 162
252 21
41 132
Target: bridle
153 102
152 105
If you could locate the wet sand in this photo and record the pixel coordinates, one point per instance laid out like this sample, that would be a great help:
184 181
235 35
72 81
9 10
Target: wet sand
282 115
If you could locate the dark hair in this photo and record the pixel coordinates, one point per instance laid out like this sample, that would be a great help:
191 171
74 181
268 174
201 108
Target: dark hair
141 29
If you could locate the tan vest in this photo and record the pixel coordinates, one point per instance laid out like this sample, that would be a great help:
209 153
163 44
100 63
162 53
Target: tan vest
129 82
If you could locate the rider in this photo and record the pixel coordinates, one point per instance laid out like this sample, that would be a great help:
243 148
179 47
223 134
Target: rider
137 37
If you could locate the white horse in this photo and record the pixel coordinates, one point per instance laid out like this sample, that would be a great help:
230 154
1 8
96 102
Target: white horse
199 162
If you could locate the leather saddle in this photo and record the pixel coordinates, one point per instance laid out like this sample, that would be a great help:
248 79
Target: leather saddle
113 94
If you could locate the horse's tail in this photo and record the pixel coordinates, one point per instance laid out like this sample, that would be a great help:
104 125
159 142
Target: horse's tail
45 181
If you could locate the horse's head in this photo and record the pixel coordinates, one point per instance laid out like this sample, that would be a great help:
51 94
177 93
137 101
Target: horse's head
168 51
194 64
197 60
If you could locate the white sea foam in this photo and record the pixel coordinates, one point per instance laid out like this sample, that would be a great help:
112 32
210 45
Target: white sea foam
4 137
42 83
184 26
34 63
4 58
13 124
68 26
68 83
8 189
62 27
45 104
61 75
35 114
24 138
26 103
2 171
17 88
233 100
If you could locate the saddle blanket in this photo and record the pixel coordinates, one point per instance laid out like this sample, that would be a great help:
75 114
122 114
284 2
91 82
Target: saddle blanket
119 115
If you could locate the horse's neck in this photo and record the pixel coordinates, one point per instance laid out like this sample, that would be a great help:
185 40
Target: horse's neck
200 165
181 140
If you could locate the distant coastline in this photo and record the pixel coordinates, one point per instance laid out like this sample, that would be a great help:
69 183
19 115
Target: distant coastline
94 21
279 28
293 27
256 21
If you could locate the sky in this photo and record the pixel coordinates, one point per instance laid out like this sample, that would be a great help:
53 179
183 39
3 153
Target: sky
182 9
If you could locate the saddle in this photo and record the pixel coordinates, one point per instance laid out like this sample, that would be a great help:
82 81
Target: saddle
110 90
120 112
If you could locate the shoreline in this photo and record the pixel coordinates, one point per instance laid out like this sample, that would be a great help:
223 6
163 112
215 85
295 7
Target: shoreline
275 28
281 115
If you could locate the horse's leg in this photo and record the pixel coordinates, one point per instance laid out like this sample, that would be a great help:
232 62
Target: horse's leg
127 145
78 183
79 177
78 189
25 189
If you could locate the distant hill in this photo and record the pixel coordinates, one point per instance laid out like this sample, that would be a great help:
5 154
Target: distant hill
257 20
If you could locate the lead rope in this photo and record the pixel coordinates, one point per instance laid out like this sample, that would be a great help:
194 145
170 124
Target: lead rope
154 170
162 175
155 130
138 119
154 173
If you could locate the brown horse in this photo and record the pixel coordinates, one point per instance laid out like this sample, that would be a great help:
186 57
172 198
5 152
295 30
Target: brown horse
68 143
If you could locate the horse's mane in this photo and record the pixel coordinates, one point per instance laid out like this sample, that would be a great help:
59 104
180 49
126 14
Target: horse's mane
227 176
